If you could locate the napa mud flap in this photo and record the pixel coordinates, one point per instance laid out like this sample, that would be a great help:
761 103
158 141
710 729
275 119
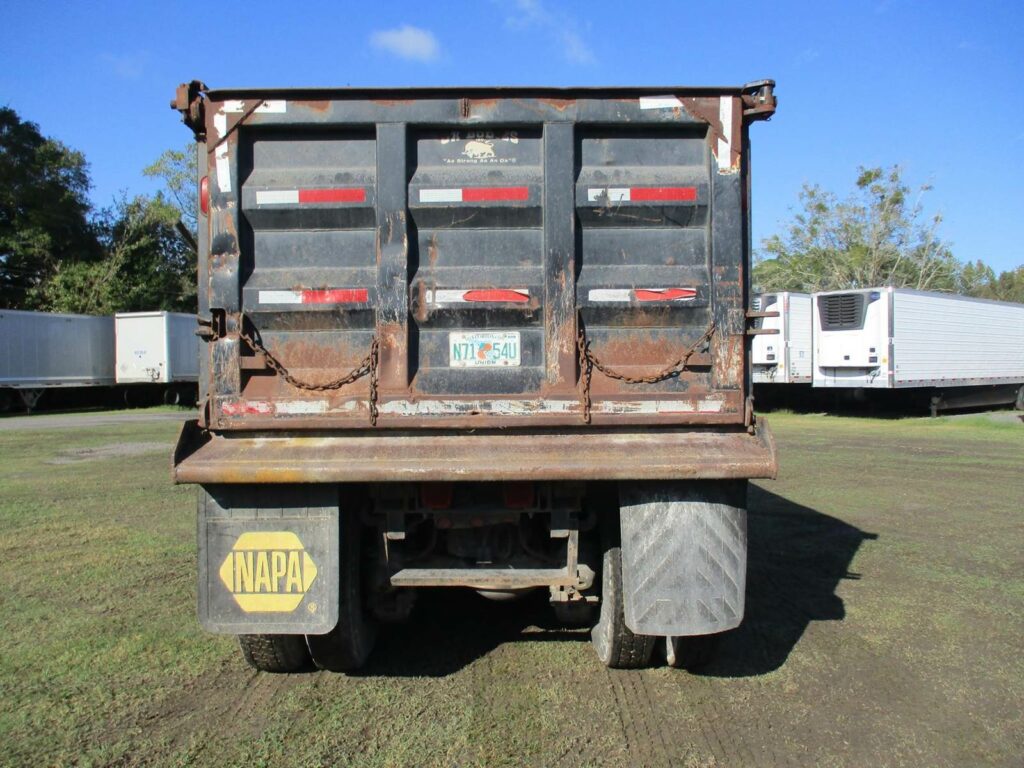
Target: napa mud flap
268 559
684 556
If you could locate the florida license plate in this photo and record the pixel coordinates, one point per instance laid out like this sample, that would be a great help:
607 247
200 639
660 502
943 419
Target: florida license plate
483 349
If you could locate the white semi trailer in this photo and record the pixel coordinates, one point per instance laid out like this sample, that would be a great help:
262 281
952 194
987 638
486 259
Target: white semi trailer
785 357
965 351
160 349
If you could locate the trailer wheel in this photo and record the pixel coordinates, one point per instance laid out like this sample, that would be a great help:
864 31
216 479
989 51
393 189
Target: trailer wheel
616 645
275 653
348 645
692 652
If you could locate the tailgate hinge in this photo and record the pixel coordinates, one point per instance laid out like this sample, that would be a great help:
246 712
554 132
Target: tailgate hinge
188 99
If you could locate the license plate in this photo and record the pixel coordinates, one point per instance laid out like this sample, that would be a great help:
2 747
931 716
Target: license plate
483 349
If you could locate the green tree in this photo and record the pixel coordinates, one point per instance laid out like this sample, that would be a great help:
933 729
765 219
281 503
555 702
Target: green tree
177 170
982 282
876 236
148 265
44 211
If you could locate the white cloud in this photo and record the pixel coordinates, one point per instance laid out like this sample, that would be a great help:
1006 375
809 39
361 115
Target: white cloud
407 42
128 66
560 27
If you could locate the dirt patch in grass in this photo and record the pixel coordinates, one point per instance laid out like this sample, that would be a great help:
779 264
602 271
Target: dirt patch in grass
112 451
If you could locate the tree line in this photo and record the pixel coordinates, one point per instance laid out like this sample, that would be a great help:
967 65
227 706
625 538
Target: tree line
878 235
59 254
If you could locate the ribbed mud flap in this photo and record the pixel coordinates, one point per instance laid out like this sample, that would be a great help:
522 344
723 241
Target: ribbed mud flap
684 556
268 559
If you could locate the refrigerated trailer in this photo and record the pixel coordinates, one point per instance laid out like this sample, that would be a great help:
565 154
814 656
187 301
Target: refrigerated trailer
783 357
485 338
40 351
158 350
961 351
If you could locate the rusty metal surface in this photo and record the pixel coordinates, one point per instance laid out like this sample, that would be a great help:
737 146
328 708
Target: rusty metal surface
369 456
559 242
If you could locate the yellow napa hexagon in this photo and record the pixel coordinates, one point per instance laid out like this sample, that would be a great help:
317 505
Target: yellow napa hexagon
268 571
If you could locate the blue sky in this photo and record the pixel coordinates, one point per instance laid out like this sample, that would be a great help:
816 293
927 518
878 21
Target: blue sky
932 86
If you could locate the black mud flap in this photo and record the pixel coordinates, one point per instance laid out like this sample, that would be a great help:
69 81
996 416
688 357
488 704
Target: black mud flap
268 559
684 556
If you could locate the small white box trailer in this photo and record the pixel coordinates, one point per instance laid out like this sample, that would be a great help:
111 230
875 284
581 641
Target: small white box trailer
156 348
970 351
785 357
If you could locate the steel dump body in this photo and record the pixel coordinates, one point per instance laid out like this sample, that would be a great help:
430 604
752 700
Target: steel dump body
572 260
341 218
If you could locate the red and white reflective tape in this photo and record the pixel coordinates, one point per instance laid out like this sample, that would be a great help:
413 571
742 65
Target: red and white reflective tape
642 294
485 295
641 194
473 194
316 296
307 196
246 408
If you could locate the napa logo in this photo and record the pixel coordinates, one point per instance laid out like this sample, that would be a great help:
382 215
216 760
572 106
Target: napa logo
268 572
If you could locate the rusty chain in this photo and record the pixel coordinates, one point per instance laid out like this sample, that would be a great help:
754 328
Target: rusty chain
367 367
588 361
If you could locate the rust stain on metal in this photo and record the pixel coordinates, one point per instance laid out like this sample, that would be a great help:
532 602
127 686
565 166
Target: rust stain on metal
583 454
316 105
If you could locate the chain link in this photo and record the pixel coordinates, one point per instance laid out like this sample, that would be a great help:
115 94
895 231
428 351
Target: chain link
588 361
367 367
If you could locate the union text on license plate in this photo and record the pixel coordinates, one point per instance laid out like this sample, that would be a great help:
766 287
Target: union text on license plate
483 349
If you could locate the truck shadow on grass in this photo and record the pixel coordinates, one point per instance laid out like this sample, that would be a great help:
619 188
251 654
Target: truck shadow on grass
798 556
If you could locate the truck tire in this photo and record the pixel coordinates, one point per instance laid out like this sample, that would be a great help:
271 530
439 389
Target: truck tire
616 645
691 652
348 645
275 653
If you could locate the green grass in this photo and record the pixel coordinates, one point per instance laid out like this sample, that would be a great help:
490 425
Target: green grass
902 649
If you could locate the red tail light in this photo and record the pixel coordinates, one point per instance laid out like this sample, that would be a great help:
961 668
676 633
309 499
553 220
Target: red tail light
204 195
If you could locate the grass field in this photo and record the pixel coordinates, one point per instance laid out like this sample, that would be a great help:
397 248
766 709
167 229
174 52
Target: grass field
884 625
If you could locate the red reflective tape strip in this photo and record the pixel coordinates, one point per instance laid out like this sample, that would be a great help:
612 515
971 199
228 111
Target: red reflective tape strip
478 194
496 294
351 195
664 294
336 296
242 407
662 193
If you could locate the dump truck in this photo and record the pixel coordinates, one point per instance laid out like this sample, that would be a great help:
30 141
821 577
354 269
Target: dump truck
481 338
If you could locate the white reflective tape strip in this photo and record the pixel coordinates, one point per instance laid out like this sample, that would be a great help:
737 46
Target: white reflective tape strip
440 195
611 194
223 168
497 407
610 294
234 106
220 124
280 297
277 197
445 296
725 143
659 102
292 407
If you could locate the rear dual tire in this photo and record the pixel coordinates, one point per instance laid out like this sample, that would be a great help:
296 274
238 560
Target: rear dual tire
346 647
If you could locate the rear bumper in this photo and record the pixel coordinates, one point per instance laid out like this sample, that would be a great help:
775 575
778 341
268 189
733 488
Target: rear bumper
582 454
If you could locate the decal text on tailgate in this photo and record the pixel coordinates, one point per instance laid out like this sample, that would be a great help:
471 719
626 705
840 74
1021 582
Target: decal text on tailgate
268 571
